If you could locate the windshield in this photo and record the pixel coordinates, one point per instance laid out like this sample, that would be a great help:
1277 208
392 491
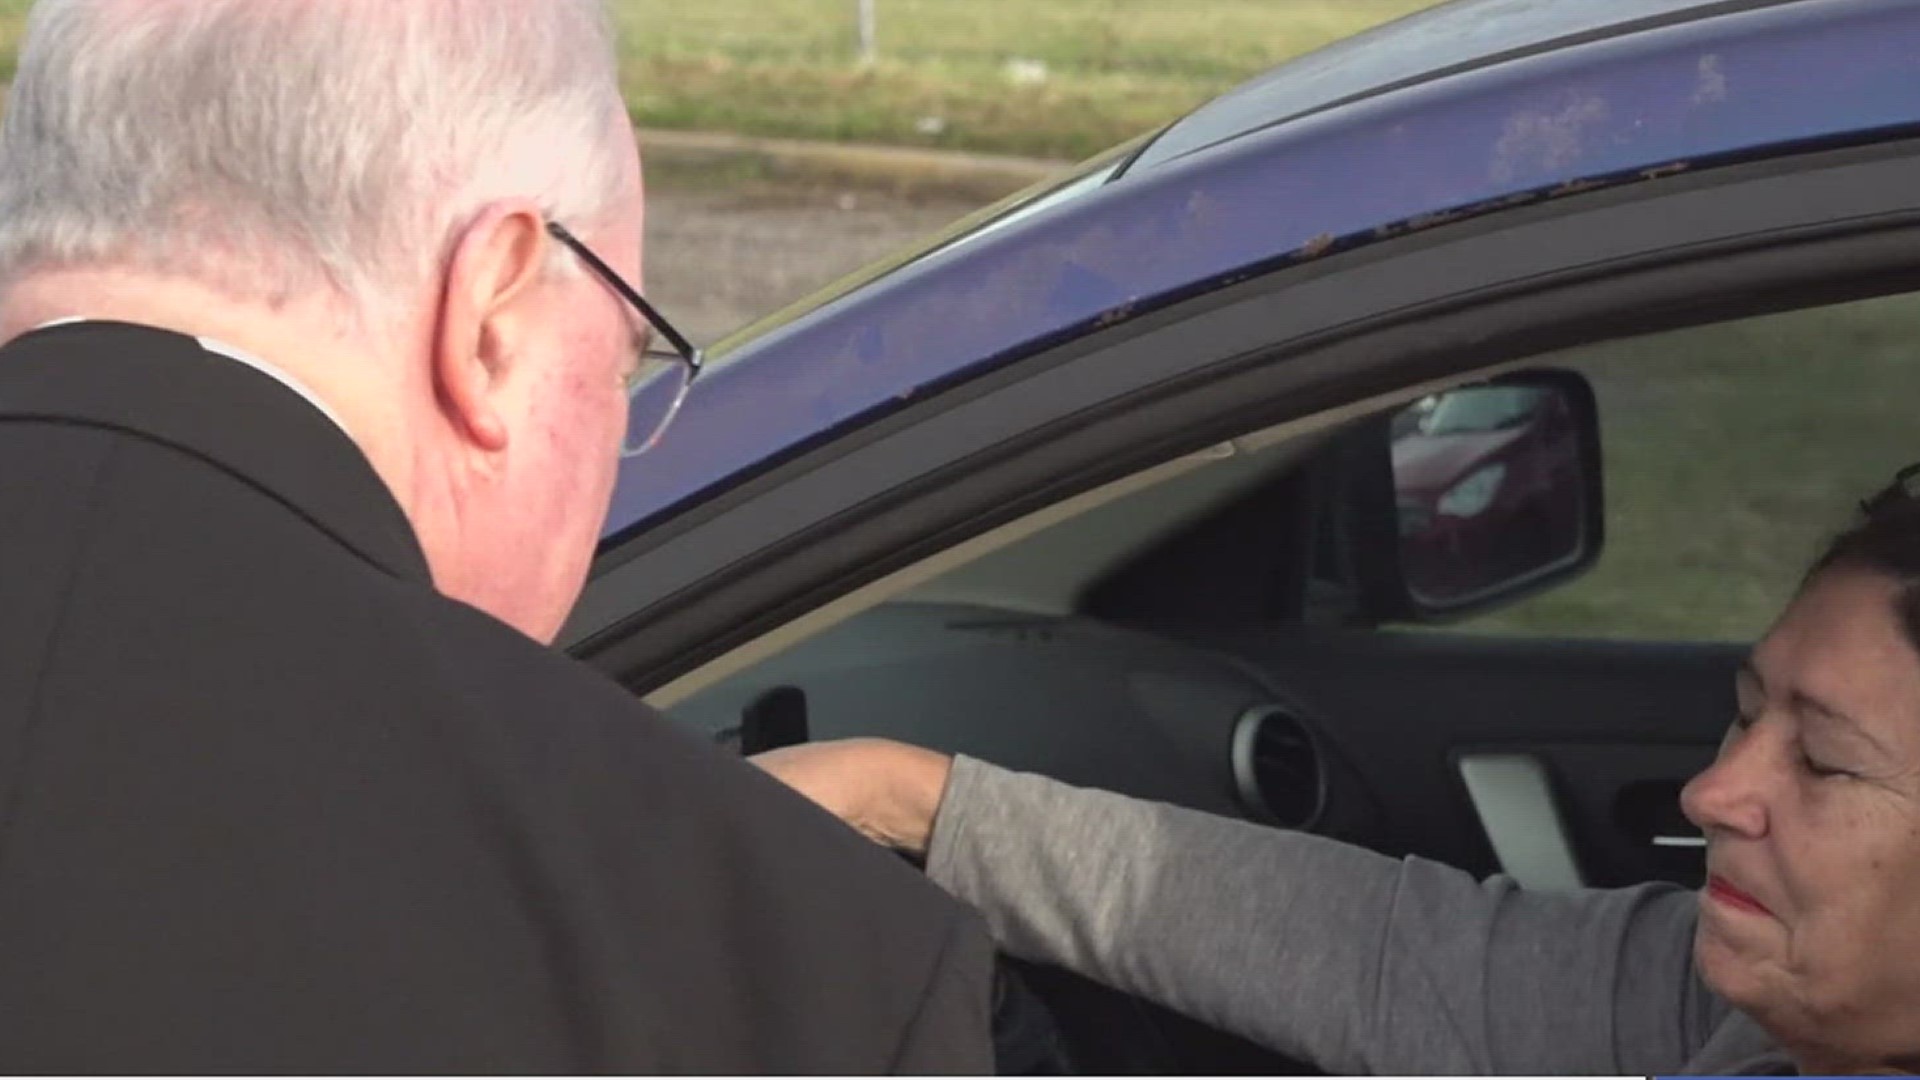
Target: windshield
1076 181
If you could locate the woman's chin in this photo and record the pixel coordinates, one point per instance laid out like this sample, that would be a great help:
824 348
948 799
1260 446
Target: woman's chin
1747 972
1731 968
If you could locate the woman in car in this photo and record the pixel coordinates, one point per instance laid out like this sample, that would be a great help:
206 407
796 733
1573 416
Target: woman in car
1801 953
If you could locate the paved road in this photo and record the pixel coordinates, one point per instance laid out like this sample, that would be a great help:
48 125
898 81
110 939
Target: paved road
721 257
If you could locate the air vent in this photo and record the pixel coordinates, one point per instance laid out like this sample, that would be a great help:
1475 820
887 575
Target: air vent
1278 767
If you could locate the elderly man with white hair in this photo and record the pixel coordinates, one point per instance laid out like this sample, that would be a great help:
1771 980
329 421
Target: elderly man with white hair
321 323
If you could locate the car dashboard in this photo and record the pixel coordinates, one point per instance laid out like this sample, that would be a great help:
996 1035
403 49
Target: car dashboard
1071 698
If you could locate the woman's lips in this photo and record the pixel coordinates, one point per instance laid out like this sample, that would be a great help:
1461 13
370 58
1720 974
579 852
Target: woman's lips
1721 889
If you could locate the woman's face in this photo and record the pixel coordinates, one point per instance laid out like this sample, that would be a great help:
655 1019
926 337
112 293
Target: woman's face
1810 921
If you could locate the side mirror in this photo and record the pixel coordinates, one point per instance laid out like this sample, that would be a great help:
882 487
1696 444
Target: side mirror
1496 493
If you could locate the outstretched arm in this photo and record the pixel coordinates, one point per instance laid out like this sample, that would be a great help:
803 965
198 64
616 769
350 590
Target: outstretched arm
1321 950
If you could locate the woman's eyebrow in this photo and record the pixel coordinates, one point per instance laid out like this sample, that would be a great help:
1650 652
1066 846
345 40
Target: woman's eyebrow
1807 703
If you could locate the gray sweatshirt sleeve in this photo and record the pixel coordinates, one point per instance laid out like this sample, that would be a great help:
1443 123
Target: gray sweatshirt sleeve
1323 951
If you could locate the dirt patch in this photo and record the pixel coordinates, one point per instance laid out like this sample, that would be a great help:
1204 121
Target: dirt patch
723 253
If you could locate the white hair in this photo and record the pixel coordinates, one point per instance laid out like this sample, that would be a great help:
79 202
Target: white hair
270 148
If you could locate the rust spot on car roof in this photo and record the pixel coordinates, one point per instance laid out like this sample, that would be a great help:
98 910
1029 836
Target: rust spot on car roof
1315 247
1711 86
1113 316
1575 187
1448 217
1422 222
1547 140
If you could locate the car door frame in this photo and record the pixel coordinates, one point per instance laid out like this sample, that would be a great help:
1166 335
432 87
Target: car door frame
1674 248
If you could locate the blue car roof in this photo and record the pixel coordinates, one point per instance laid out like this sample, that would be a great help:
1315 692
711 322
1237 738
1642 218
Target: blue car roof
1735 82
1422 46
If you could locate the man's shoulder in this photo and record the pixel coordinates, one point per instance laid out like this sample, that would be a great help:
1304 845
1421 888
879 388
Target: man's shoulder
536 701
676 827
298 761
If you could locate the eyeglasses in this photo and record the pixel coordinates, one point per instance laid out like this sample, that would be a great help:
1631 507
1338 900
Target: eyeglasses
659 383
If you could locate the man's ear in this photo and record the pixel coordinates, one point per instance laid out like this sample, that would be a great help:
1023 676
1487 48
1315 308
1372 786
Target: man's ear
493 265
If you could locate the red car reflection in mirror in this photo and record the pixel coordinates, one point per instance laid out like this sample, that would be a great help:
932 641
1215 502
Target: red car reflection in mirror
1488 484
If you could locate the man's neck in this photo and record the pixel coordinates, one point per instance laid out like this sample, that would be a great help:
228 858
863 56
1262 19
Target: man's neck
241 356
311 345
293 332
361 383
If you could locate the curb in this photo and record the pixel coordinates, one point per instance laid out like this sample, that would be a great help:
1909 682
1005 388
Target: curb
897 170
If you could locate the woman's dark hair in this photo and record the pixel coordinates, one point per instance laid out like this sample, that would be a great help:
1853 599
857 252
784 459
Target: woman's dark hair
1885 540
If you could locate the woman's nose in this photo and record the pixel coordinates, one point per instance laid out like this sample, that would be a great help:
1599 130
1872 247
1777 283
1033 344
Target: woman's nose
1729 797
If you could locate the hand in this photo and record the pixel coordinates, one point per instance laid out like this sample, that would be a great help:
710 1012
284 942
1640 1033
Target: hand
888 790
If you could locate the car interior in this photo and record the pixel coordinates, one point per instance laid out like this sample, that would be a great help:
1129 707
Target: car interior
1121 641
1212 631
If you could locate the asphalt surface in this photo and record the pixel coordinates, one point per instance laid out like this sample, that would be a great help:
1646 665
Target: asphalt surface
721 254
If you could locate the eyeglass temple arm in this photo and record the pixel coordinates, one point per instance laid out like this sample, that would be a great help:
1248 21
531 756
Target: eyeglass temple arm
627 292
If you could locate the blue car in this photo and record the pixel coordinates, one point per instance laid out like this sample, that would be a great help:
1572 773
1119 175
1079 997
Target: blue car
1102 483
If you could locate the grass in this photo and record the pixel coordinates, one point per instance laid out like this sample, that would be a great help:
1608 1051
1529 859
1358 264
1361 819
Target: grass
1731 454
943 76
946 69
13 24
